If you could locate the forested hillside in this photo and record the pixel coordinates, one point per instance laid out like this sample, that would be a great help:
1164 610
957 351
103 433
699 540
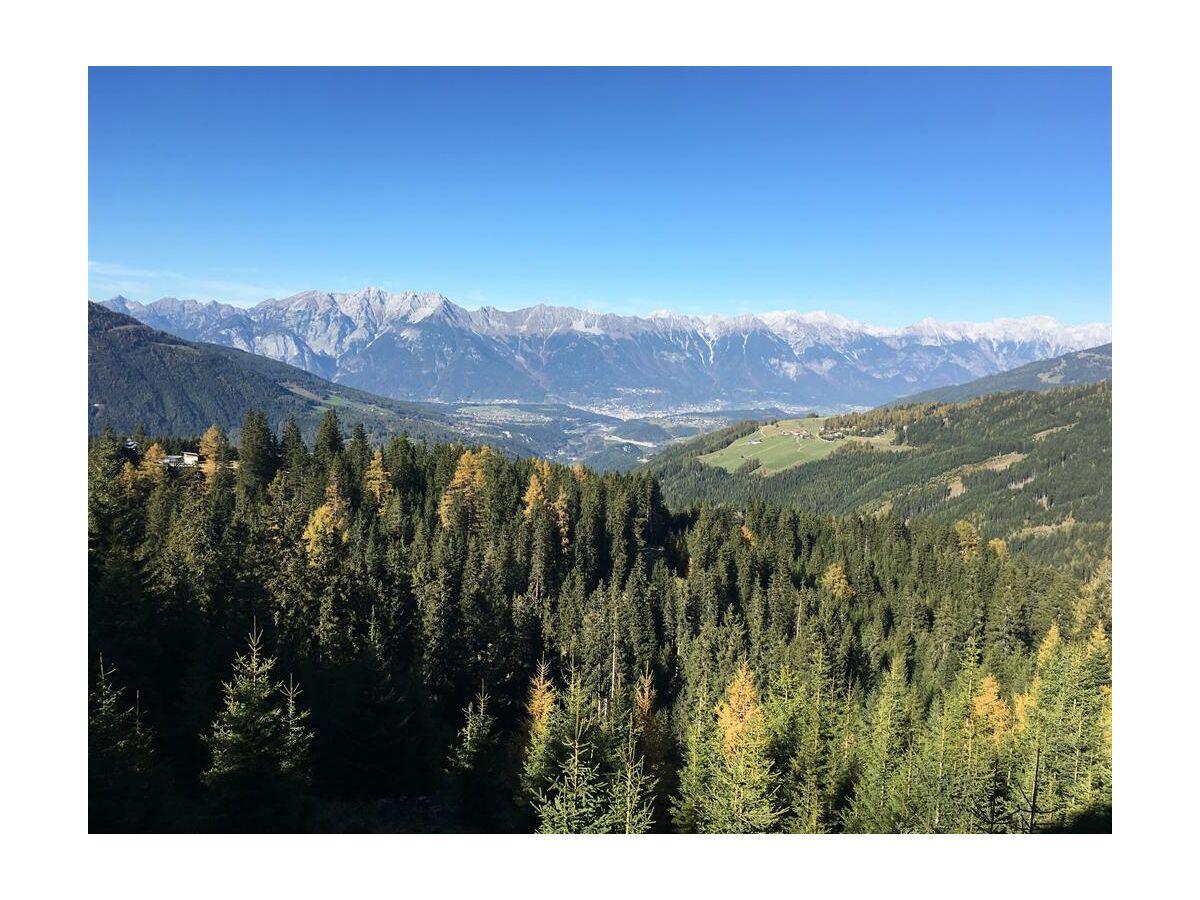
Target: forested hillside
405 637
1080 367
1034 469
141 377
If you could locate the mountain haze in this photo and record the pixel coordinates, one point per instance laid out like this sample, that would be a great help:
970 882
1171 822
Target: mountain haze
424 347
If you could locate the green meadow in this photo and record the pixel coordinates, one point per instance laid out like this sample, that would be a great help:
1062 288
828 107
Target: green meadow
783 444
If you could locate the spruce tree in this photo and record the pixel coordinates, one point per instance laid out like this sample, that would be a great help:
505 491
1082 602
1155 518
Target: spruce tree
875 808
256 454
579 798
474 766
631 788
121 760
727 786
259 748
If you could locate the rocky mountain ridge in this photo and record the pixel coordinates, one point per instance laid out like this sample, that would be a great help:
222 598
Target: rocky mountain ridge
425 347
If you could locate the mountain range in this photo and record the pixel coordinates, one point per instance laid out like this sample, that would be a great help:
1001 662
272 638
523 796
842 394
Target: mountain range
138 376
1081 367
424 347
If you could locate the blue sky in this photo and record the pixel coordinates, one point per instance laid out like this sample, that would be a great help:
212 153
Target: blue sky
885 195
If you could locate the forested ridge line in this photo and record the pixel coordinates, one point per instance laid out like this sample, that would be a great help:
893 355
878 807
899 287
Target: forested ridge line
1032 468
415 637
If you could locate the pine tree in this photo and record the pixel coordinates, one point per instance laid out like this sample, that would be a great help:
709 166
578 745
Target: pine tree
958 767
800 724
1041 738
701 757
325 538
743 789
293 453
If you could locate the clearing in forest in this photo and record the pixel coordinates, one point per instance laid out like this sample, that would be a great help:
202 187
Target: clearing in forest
787 443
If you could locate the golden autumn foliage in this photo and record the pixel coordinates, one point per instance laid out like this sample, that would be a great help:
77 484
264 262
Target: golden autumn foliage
377 480
541 701
1025 704
749 535
327 525
535 491
562 518
1050 644
152 468
740 716
579 472
1096 592
535 494
212 450
129 476
647 723
968 539
1097 641
1106 691
468 483
558 511
835 581
989 710
998 547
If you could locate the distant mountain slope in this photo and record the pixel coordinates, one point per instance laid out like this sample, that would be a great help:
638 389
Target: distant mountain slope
137 375
1080 367
424 347
1033 468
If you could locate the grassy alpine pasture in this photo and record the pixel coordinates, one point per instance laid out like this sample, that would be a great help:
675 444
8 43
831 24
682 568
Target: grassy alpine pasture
782 445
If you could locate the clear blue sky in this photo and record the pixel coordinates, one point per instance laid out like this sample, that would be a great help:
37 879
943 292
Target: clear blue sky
885 195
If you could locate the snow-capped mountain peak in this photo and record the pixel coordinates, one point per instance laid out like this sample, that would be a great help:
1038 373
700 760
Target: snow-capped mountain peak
424 346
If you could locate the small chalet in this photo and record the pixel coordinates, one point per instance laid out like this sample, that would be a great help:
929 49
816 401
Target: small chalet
184 460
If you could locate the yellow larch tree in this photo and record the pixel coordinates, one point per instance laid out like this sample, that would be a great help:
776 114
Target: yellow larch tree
968 539
377 481
541 701
562 518
540 750
835 581
326 529
152 468
989 711
739 715
468 483
535 491
212 451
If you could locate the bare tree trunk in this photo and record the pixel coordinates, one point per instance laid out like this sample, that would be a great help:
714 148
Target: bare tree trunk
1037 769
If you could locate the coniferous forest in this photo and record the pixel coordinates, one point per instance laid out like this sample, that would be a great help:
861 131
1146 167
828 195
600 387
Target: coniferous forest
412 637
